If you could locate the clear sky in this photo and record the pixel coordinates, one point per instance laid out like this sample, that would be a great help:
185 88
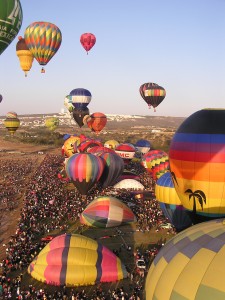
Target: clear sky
178 44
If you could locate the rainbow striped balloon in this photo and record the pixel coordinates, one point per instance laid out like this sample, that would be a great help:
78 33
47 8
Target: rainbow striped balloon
43 39
84 169
105 212
197 162
170 203
74 260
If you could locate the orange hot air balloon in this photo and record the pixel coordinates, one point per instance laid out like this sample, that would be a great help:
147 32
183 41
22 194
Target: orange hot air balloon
87 41
96 122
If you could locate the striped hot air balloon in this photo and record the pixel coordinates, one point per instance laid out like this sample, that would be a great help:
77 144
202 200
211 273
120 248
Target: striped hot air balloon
80 98
84 169
156 163
75 260
152 93
43 39
105 212
114 167
170 203
12 123
197 163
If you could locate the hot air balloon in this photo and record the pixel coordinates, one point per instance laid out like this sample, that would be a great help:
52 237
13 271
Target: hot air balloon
69 145
143 146
190 265
80 98
126 151
87 41
152 93
68 103
12 123
129 184
84 169
156 163
11 17
197 163
76 260
97 150
96 122
111 144
79 115
1 98
114 167
170 203
11 115
24 54
52 123
87 144
43 39
105 212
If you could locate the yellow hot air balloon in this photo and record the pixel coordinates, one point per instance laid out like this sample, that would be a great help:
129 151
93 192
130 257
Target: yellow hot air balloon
24 54
52 123
12 123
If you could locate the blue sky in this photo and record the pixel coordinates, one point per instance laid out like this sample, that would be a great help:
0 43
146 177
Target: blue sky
178 44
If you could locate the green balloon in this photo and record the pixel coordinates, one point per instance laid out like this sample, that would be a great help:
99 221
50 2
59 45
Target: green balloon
11 17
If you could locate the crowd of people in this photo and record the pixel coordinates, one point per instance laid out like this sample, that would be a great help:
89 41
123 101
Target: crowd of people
49 203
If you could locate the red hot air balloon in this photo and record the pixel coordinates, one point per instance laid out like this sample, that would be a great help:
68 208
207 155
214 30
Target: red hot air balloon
87 41
96 122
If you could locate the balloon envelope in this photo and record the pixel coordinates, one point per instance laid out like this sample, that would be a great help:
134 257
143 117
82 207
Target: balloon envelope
11 17
24 54
114 167
190 265
129 184
111 144
107 212
96 122
84 169
80 98
87 40
197 162
43 39
52 123
75 260
152 93
69 145
79 115
170 203
12 124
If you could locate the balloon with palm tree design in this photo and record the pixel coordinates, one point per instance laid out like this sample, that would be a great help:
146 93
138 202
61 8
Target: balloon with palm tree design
197 163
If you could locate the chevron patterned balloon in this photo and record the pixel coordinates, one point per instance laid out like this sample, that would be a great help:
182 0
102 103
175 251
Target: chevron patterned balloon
43 39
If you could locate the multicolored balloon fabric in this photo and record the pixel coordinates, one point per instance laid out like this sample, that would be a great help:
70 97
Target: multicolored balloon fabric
75 260
105 212
84 169
170 203
152 93
43 39
197 163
